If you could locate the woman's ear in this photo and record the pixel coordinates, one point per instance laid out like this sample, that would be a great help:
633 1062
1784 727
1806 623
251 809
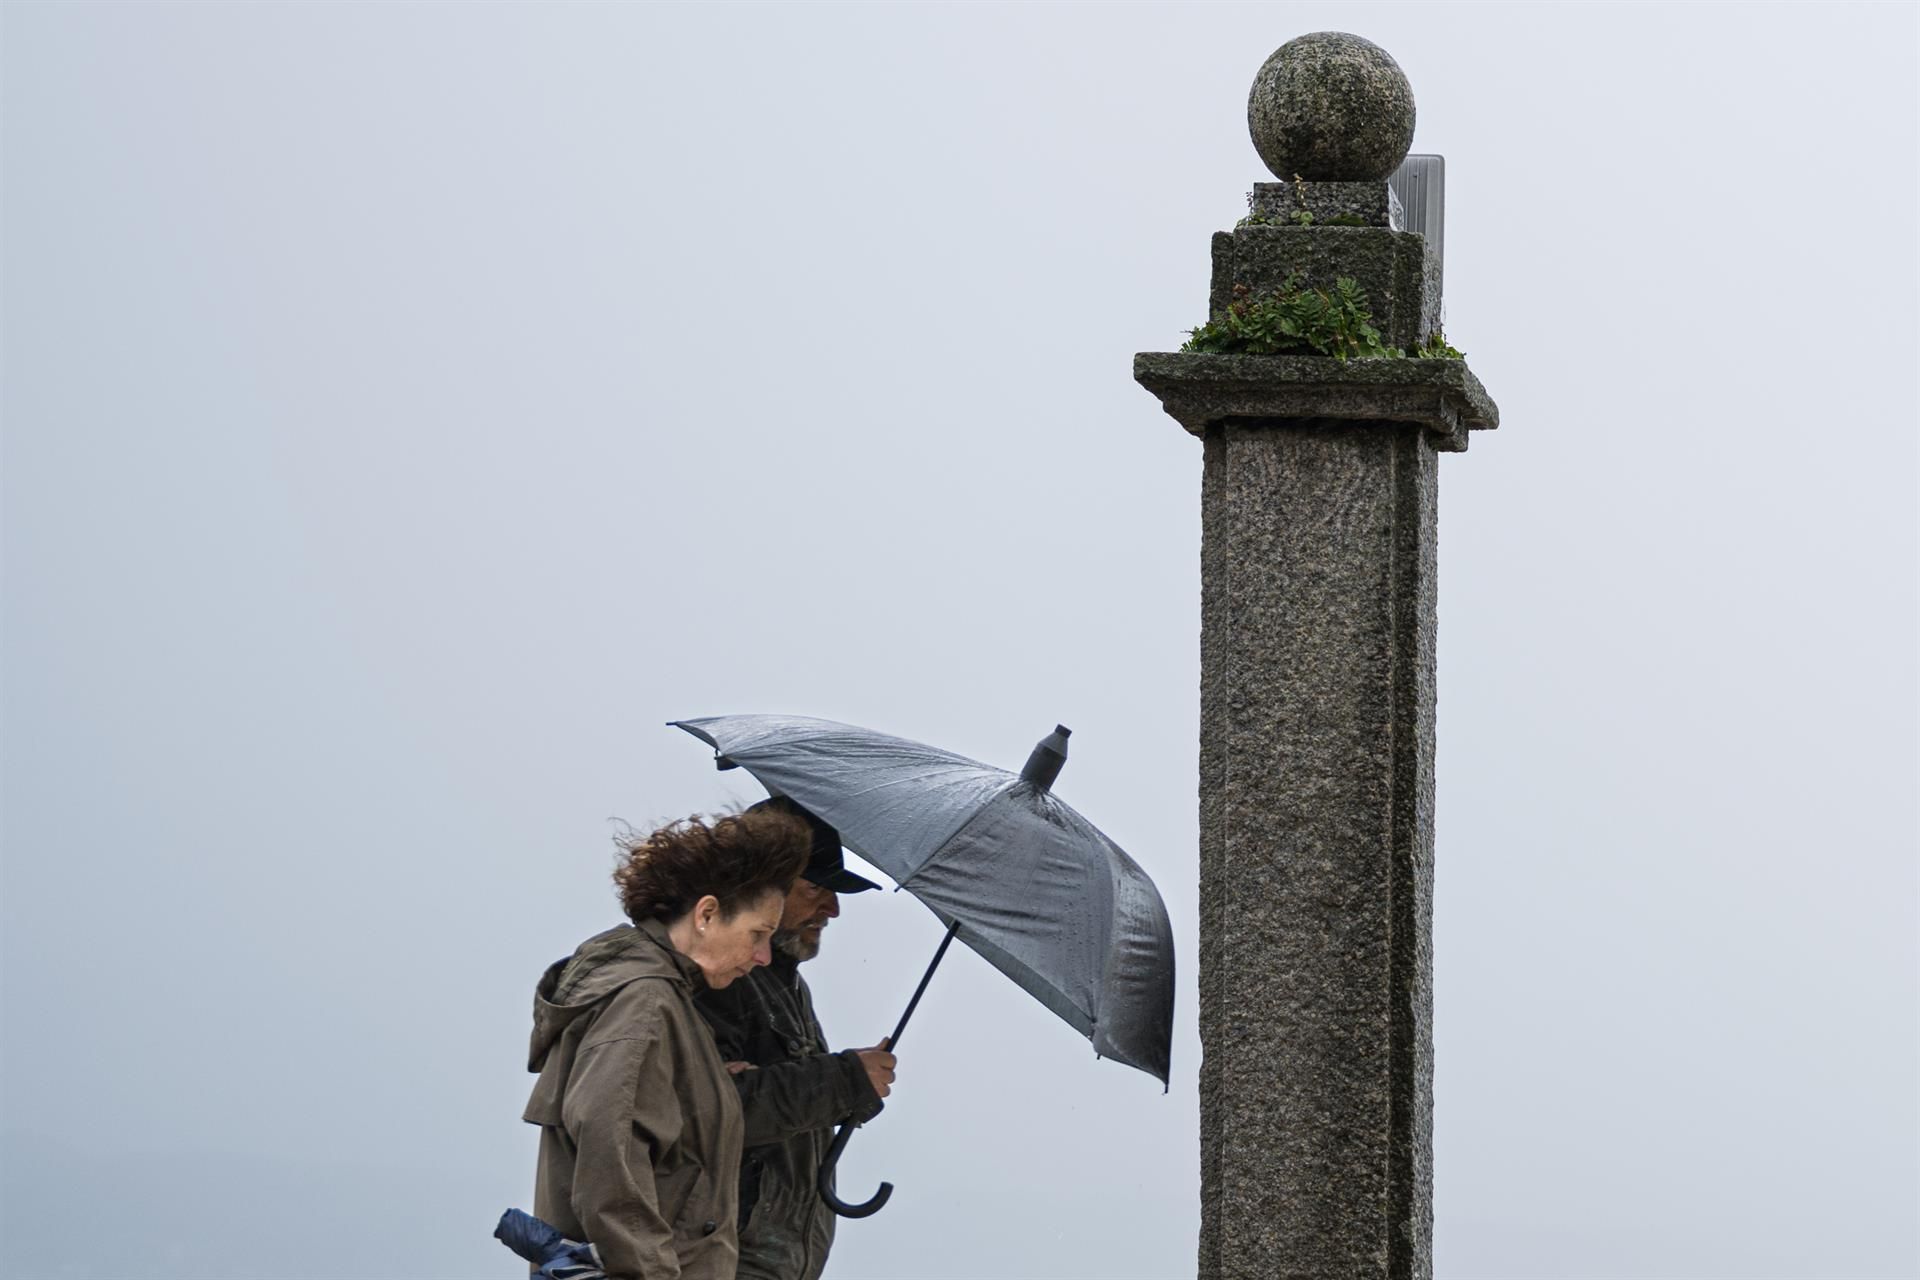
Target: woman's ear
705 912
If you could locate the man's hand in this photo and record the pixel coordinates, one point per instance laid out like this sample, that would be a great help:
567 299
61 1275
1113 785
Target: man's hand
879 1064
735 1068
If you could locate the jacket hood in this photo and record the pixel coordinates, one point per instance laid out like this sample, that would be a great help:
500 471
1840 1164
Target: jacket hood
602 965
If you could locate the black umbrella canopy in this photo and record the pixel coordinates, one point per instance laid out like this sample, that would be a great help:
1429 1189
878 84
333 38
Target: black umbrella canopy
1037 890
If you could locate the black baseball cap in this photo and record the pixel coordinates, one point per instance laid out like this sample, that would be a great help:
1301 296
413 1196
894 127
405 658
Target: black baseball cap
827 867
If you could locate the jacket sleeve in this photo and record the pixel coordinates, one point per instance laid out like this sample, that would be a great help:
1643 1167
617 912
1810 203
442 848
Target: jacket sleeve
622 1113
817 1092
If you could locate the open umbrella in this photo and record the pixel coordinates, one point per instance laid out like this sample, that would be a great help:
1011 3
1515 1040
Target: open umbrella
1009 867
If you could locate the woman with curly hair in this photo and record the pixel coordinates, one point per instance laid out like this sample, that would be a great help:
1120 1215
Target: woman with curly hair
640 1125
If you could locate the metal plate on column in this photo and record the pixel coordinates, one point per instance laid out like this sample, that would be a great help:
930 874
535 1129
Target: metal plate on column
1420 183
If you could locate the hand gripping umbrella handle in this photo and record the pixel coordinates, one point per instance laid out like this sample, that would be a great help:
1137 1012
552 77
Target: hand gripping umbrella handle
840 1139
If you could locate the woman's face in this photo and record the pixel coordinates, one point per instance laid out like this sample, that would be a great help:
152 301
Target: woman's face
726 949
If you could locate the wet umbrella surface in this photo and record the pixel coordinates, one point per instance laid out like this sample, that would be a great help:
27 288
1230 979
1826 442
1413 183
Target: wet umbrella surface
1011 870
1035 888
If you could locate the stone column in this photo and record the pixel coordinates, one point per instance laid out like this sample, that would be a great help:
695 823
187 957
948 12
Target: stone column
1317 700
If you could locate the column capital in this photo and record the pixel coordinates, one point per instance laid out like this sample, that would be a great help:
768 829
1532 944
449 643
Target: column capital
1201 390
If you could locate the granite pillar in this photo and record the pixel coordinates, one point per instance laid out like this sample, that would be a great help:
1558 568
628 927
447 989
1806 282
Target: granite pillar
1319 508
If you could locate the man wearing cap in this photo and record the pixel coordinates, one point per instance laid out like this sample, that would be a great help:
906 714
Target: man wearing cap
792 1090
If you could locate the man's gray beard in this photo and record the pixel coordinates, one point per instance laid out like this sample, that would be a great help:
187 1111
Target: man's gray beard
795 946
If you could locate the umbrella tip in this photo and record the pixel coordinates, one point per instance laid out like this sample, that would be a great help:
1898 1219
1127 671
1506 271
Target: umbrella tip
1048 758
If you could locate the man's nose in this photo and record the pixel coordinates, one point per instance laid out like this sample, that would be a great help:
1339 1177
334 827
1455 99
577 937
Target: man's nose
832 905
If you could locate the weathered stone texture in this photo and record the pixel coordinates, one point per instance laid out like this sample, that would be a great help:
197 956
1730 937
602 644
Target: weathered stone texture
1372 202
1318 613
1316 797
1202 390
1400 277
1331 105
1316 851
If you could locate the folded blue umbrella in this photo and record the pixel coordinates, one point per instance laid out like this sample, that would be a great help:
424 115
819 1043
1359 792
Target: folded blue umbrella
541 1244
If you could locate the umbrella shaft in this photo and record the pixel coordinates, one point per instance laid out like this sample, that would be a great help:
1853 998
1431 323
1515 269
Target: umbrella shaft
893 1041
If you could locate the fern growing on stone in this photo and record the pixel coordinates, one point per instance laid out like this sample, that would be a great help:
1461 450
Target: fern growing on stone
1294 320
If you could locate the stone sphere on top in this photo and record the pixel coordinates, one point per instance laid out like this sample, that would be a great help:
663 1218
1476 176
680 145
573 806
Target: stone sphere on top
1331 107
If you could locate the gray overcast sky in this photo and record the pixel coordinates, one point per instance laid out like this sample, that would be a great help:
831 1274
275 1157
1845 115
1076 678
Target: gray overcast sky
408 408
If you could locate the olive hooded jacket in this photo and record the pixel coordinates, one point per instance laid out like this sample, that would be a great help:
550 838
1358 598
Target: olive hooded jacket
640 1125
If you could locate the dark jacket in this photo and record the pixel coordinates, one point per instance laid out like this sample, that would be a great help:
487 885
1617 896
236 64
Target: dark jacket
791 1100
640 1125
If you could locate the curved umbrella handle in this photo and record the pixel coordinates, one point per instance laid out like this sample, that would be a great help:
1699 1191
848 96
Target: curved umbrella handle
834 1202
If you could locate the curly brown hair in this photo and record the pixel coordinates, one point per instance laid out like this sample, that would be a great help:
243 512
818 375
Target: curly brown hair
736 857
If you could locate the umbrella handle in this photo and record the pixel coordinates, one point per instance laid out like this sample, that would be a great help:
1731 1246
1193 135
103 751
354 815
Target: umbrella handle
840 1139
834 1202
